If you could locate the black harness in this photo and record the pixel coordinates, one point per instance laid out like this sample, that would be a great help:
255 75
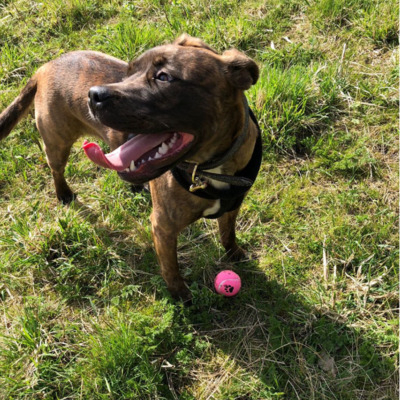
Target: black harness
240 183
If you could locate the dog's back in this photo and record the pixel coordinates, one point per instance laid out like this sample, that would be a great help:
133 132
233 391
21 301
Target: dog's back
59 91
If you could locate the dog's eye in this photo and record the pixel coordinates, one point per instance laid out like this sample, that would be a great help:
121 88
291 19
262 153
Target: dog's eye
164 77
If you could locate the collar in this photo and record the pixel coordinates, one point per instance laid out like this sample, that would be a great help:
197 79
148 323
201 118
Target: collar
198 170
240 182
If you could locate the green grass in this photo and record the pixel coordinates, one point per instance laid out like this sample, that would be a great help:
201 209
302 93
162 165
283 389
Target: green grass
85 314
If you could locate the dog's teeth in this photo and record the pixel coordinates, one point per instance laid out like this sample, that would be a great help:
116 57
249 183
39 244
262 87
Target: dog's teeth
127 170
163 149
132 166
158 155
174 138
150 159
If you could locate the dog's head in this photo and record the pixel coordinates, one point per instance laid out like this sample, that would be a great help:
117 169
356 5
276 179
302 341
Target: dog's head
179 101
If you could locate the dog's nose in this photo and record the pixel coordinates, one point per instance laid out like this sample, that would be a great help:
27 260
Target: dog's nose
98 94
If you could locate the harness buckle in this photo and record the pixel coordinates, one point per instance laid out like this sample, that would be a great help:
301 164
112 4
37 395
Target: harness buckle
197 183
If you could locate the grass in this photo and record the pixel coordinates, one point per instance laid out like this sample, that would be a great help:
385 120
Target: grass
85 314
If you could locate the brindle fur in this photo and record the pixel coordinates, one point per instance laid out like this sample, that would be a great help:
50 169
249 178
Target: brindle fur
207 102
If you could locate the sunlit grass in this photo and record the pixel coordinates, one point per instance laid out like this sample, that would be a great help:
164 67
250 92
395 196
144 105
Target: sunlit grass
85 313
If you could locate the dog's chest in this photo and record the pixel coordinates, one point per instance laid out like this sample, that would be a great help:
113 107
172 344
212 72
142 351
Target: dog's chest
214 209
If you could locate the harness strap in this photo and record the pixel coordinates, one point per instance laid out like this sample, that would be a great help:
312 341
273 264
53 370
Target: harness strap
232 197
233 180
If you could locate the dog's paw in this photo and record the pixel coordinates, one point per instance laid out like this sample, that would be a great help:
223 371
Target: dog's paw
67 198
236 254
181 293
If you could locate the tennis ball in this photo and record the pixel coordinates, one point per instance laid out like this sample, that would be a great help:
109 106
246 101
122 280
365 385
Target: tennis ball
227 283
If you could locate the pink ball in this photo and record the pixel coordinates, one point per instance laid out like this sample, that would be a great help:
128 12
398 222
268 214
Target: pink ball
227 283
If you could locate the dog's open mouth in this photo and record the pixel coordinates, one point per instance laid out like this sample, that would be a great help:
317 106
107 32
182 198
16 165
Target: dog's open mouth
144 157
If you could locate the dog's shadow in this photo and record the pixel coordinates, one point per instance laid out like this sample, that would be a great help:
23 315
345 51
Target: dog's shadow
268 338
285 346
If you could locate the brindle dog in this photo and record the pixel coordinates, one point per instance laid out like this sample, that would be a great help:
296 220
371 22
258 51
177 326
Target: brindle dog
179 105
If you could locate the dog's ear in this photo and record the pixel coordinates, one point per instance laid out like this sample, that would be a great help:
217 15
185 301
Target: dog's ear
190 41
241 70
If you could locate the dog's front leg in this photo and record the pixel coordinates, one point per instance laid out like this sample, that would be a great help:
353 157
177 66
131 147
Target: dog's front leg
227 231
165 243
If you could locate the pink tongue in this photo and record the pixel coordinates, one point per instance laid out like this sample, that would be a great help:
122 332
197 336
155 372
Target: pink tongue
120 159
